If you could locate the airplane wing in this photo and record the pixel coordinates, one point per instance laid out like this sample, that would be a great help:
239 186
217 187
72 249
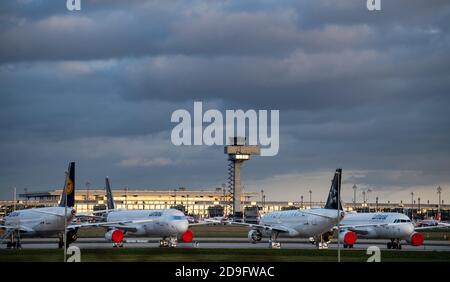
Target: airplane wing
359 228
17 227
84 217
94 212
202 223
440 225
50 213
122 224
356 226
278 228
316 214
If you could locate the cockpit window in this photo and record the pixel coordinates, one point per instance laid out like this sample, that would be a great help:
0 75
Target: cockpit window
178 217
401 220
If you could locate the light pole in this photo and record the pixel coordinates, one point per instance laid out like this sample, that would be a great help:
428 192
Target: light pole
310 198
418 207
412 204
187 204
368 199
376 204
14 198
175 200
126 198
262 199
88 184
26 197
264 202
439 191
354 196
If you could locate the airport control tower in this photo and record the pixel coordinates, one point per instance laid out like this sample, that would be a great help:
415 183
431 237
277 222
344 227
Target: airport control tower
237 152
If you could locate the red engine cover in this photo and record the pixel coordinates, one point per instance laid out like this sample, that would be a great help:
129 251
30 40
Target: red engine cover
117 236
350 238
187 236
416 239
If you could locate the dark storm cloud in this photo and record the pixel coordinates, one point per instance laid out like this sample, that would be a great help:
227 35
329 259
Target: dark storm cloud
367 91
154 27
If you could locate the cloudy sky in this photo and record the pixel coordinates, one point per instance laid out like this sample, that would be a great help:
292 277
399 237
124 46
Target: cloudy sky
365 91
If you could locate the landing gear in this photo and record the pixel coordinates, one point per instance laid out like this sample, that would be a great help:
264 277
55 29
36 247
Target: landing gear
348 246
394 244
71 237
118 244
273 244
168 242
14 245
14 241
320 242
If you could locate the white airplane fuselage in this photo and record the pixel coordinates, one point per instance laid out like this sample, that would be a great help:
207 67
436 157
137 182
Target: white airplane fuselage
165 222
304 224
402 229
39 222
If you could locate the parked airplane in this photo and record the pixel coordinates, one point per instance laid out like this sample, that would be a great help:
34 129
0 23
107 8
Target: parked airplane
170 224
385 225
43 222
432 222
299 223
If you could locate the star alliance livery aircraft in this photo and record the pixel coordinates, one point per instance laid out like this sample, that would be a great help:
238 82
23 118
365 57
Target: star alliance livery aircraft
300 223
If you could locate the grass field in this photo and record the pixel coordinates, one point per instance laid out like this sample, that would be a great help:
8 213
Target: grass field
219 255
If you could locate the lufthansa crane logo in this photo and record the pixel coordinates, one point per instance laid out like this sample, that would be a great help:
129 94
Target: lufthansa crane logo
69 186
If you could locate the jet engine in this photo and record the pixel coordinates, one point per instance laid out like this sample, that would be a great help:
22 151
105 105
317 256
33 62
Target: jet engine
114 235
416 239
187 236
254 236
348 237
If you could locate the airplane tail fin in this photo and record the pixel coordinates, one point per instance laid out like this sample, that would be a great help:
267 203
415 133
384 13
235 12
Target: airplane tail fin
109 197
333 202
69 187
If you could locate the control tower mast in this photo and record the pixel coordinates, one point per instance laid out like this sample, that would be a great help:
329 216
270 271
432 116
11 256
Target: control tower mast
237 152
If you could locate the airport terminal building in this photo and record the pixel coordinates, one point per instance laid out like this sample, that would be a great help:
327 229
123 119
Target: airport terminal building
193 201
197 202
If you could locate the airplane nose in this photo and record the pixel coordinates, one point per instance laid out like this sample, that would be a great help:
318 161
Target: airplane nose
410 228
181 226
